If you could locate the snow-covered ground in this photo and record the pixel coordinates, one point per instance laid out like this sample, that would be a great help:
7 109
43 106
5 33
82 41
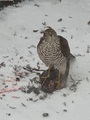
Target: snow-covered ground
18 42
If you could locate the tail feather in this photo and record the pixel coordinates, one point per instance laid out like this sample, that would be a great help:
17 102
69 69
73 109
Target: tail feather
71 56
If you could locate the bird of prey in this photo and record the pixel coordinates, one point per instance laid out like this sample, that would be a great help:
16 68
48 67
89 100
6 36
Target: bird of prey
54 51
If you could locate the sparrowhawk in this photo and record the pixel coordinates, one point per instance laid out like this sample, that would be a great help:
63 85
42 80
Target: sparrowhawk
54 51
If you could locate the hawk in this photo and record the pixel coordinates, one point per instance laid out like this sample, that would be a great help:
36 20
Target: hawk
54 51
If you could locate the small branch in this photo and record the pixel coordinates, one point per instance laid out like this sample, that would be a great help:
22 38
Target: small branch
32 69
79 55
12 107
23 104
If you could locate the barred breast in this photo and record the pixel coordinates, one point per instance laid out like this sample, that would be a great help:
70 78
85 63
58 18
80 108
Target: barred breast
50 53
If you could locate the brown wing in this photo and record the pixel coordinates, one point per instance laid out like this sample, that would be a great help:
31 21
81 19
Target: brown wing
64 46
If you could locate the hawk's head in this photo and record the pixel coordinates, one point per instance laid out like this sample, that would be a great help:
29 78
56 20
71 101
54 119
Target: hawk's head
50 34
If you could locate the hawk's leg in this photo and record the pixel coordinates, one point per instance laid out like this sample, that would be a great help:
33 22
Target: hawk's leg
61 82
58 82
45 77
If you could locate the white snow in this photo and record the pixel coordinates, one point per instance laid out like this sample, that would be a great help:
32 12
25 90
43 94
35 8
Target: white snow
16 37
